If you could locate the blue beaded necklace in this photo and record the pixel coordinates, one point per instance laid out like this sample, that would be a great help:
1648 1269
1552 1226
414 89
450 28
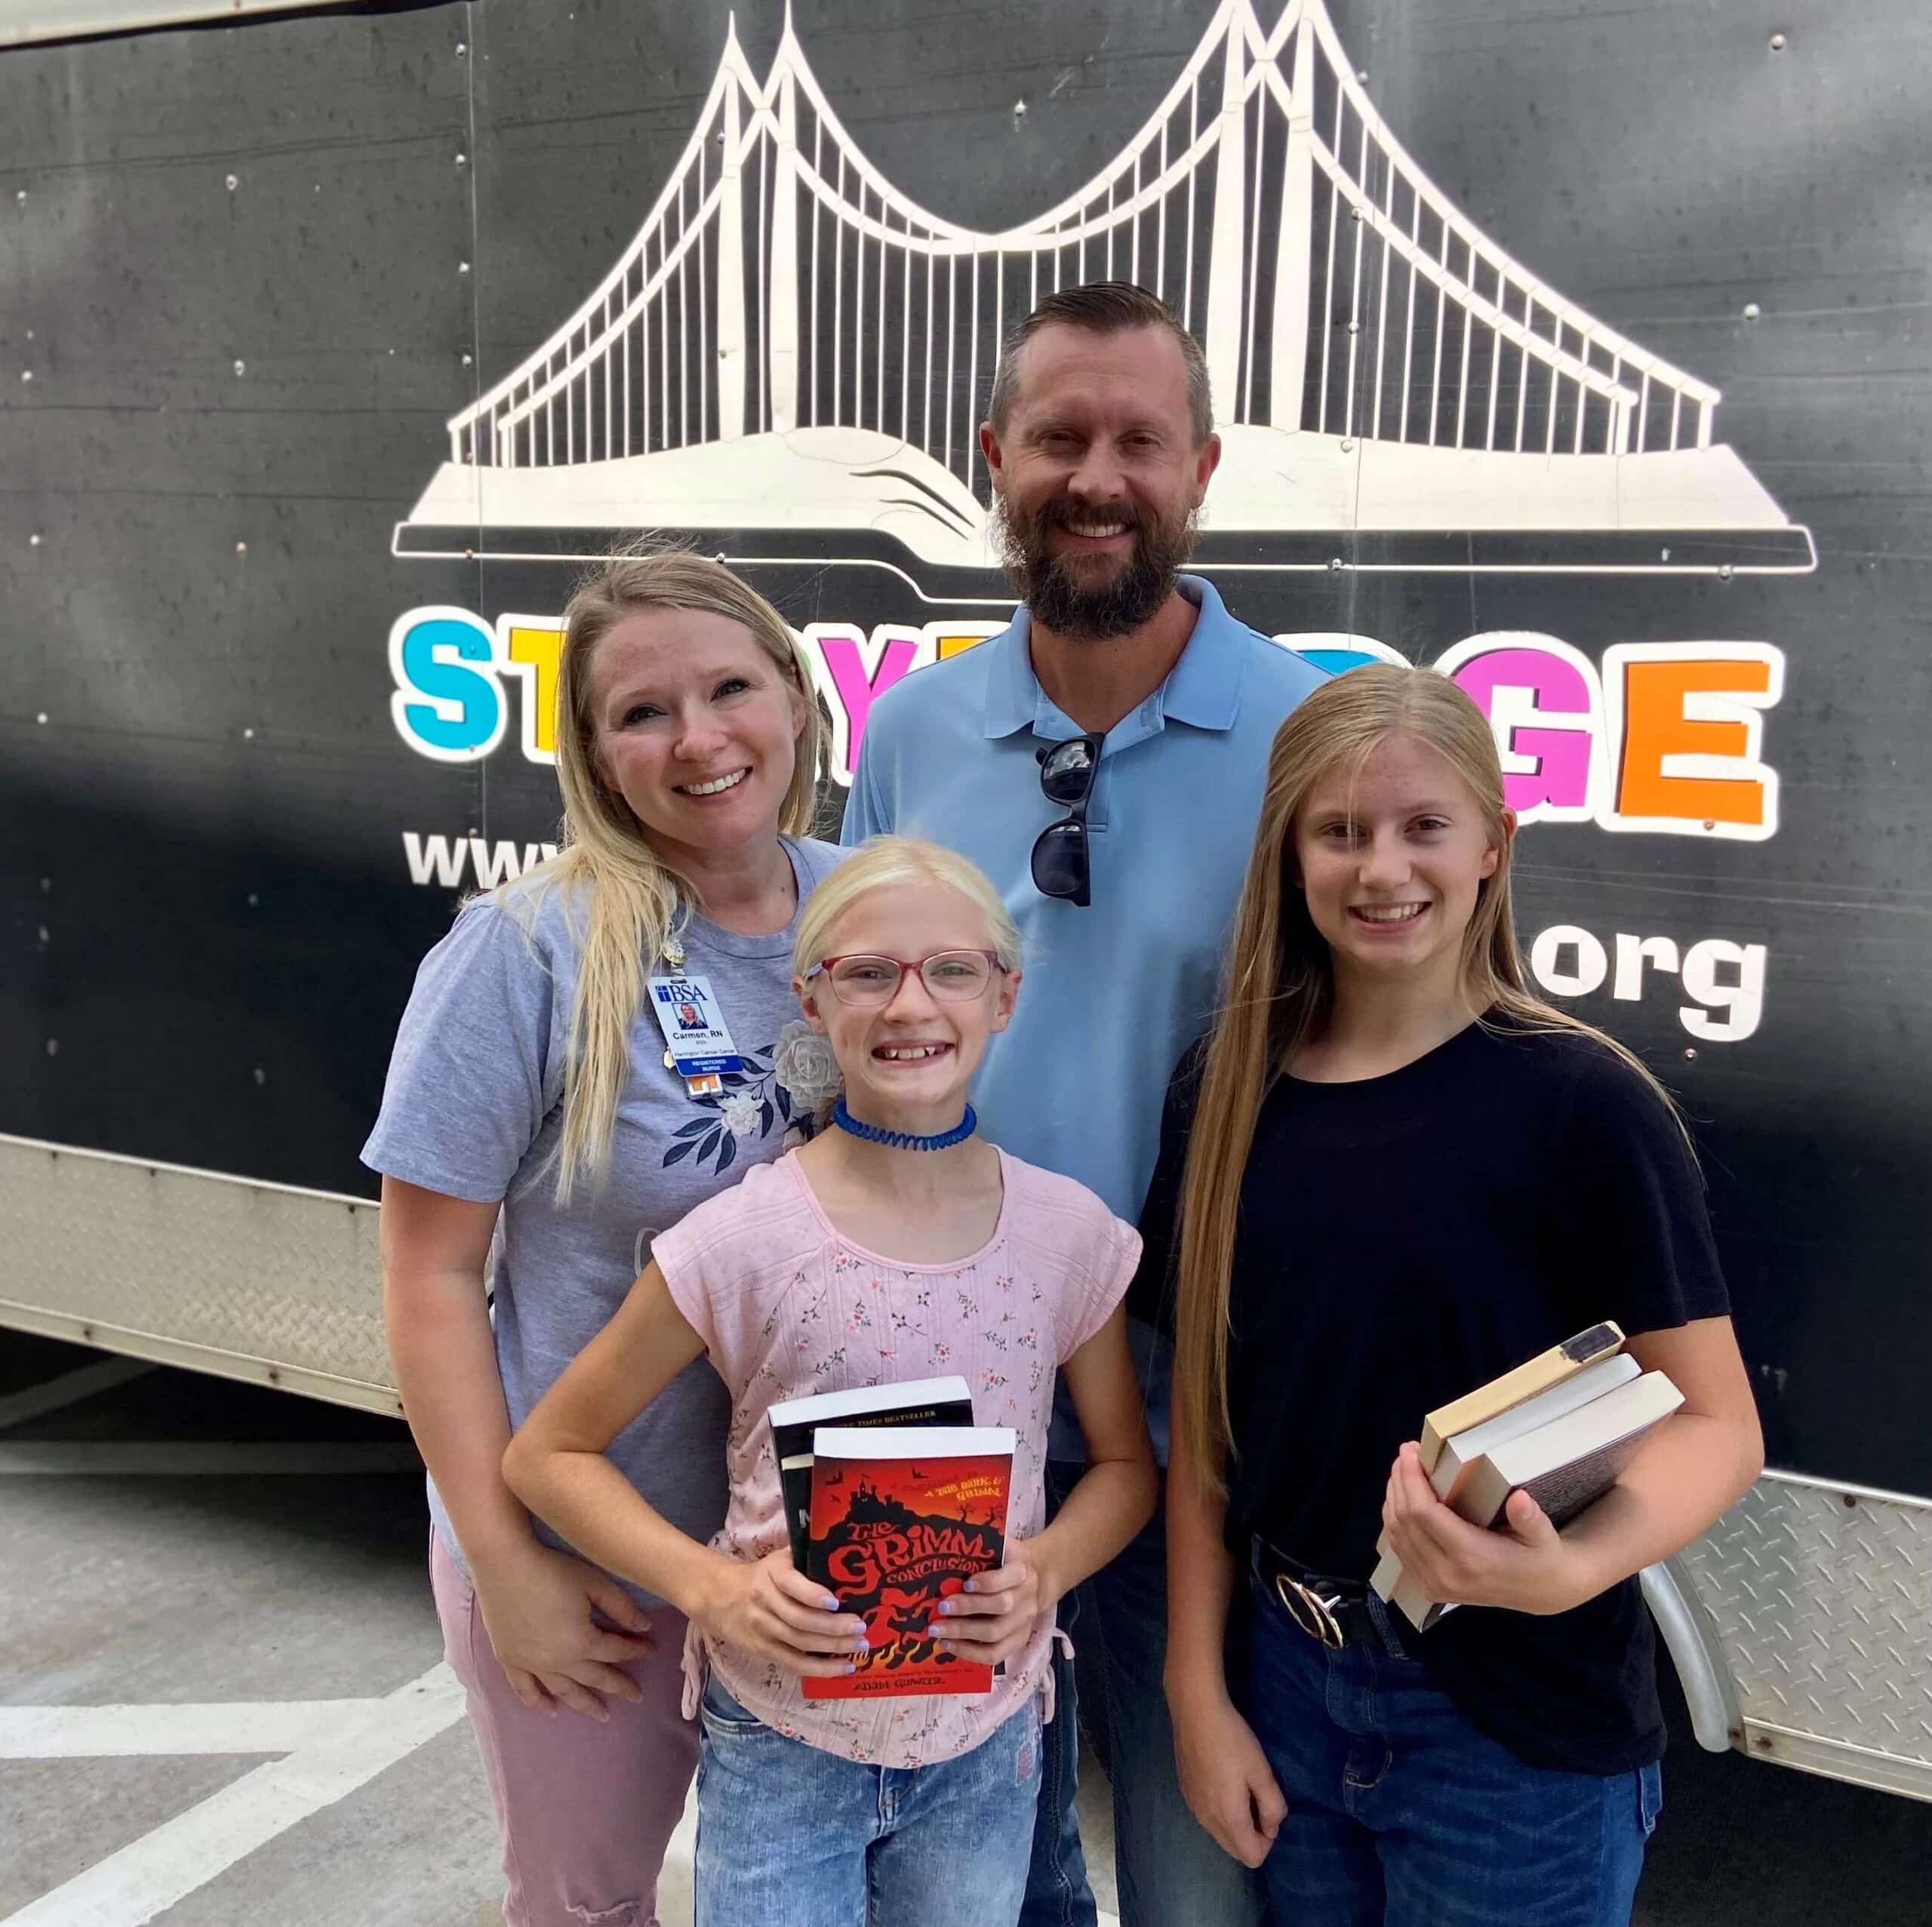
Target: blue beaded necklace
905 1140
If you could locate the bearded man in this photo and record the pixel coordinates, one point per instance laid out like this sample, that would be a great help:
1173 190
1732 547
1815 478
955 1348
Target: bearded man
1102 760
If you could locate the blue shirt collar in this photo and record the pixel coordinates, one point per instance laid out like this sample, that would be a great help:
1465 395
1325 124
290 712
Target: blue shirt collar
1202 689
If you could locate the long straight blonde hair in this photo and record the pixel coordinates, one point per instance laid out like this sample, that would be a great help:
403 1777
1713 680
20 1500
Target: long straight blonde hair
623 899
1278 989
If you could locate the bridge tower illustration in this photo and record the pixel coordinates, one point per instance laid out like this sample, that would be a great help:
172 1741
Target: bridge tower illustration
790 344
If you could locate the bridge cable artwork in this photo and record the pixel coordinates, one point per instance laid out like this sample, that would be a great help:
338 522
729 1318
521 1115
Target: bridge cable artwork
789 344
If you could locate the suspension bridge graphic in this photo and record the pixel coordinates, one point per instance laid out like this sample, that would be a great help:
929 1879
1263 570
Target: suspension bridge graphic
792 353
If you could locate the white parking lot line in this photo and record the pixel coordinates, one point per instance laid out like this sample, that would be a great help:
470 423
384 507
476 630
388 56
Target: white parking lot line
147 1877
107 1732
88 1381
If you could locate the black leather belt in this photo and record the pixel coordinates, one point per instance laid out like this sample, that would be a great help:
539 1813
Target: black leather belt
1333 1611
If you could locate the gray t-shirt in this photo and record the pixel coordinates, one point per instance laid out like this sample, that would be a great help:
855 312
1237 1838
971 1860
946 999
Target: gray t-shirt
474 1103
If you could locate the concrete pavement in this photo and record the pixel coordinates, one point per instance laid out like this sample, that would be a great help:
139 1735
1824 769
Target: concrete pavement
222 1698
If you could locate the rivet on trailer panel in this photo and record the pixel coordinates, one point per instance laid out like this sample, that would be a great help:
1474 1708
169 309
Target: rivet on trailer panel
462 48
1723 572
54 1046
241 548
249 735
33 541
1335 562
41 717
462 160
43 934
1777 43
254 900
19 196
1691 1054
27 374
468 358
234 181
1347 444
261 1076
241 367
463 267
1751 311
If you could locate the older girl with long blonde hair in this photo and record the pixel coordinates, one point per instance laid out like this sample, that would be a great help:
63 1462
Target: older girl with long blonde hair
535 1124
1391 1173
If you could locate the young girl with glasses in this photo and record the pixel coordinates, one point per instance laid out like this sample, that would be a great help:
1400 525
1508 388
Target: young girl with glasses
1391 1174
895 1247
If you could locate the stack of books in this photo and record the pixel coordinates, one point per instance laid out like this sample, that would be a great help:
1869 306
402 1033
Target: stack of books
1561 1427
894 1498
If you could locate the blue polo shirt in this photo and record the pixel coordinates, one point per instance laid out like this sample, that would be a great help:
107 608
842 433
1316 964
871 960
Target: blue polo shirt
1115 992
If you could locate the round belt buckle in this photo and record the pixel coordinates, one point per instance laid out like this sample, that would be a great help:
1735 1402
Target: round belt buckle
1313 1614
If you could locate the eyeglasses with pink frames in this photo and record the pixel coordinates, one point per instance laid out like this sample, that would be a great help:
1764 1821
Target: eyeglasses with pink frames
865 983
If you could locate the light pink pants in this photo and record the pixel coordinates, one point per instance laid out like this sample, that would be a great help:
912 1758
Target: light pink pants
585 1809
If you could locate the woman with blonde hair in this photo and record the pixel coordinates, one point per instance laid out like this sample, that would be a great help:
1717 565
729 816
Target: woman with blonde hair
537 1121
897 1246
1391 1173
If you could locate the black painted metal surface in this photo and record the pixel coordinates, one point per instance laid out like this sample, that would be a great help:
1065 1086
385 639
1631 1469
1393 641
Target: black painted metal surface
248 275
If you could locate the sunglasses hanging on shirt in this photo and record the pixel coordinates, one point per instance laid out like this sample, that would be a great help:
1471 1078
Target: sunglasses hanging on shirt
1062 866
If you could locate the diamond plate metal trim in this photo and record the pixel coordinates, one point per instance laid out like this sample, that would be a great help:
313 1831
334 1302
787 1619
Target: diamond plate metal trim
1820 1597
250 1276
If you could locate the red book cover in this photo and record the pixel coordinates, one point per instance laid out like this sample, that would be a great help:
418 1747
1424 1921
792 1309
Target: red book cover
901 1519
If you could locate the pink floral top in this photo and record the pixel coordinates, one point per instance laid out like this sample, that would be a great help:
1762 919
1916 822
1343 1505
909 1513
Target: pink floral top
787 1307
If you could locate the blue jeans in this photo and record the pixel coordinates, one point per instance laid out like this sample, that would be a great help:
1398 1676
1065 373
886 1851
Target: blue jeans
1169 1871
1402 1814
790 1835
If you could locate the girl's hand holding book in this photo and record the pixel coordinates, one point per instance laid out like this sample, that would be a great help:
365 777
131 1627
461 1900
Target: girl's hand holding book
770 1607
538 1608
995 1617
1522 1562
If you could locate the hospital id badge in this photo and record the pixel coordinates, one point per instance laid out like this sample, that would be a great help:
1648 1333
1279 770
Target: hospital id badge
696 1038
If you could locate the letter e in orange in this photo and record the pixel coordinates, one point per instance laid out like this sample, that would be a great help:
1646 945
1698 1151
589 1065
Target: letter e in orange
1687 723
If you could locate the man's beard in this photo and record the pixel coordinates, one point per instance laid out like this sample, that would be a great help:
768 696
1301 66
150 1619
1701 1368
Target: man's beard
1054 595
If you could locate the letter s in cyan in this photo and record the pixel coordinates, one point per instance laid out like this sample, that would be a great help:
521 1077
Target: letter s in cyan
448 704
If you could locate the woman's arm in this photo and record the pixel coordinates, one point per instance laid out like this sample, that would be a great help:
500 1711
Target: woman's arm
556 1465
434 1250
537 1604
1695 1465
1225 1777
1115 1497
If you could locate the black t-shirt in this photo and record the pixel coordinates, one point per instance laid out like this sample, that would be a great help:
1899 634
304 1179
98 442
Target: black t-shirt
1403 1240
